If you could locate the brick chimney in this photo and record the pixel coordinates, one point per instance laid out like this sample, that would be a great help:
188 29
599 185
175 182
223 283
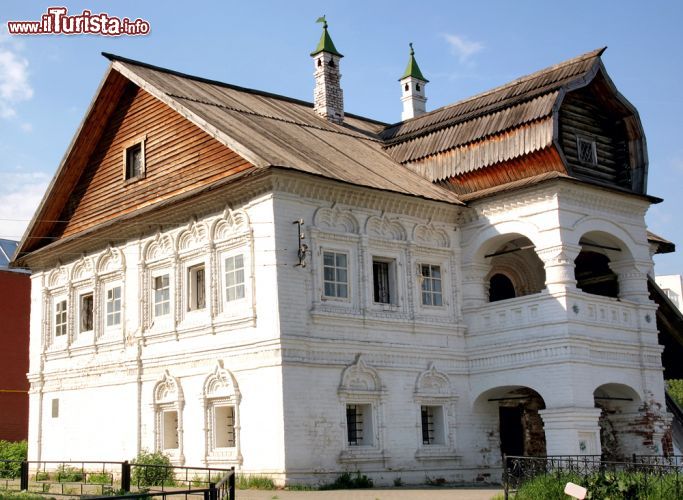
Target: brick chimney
413 89
328 96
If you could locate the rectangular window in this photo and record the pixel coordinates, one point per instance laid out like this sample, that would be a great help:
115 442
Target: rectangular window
55 408
170 430
134 161
359 424
85 312
224 426
432 425
431 285
383 281
234 278
113 306
335 275
196 288
587 151
162 295
60 318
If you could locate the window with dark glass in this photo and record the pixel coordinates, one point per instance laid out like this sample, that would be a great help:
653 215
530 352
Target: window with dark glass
134 161
86 312
382 281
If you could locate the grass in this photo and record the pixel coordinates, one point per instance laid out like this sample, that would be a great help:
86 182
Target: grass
348 481
23 496
254 482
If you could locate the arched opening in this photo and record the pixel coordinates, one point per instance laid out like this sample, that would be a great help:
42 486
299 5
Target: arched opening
593 266
500 288
512 414
515 271
593 274
619 404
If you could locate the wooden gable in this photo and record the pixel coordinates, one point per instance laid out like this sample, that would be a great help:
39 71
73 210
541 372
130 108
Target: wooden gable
178 157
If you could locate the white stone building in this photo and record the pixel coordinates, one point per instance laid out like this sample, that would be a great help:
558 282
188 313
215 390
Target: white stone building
238 278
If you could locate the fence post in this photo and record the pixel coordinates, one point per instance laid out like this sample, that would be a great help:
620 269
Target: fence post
125 476
24 476
213 493
231 484
505 476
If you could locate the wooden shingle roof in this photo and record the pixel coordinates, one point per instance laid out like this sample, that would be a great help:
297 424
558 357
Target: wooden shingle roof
274 131
499 125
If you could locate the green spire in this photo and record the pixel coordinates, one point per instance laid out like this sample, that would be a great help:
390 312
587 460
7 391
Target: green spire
413 69
325 44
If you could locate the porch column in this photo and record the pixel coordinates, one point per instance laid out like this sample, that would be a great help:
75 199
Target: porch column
640 431
572 431
559 267
475 292
632 282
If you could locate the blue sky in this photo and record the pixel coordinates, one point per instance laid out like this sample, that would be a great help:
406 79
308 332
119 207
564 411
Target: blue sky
463 48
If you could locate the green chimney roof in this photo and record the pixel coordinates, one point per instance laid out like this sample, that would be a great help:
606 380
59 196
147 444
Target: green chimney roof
413 69
325 44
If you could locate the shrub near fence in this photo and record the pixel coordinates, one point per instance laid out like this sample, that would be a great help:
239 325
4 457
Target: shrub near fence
527 478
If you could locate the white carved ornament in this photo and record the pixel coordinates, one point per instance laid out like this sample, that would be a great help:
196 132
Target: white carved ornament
159 248
193 237
433 382
110 261
167 389
82 270
359 377
428 234
335 220
221 384
57 277
232 223
384 227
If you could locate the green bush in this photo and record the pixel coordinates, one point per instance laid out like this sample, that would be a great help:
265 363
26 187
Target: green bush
99 478
349 481
152 476
68 474
42 475
12 450
254 482
675 390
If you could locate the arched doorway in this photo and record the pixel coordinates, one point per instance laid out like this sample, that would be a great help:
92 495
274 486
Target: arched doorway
619 405
519 426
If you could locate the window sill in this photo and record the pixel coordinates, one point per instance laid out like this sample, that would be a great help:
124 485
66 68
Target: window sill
362 454
436 452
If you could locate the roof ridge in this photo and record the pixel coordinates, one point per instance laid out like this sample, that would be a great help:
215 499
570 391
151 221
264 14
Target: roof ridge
248 90
512 83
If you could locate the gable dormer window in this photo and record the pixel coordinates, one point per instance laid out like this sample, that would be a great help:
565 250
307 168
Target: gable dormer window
134 160
587 151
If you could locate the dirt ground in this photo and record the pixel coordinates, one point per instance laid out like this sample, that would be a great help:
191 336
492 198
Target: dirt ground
374 494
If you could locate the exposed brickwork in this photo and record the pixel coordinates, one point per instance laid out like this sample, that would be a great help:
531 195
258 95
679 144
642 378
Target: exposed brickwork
328 96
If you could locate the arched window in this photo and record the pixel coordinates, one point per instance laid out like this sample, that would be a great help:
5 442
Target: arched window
501 288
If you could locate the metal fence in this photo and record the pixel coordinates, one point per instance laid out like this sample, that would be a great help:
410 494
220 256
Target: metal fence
89 479
644 477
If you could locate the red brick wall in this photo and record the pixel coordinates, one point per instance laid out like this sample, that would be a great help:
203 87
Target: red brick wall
15 305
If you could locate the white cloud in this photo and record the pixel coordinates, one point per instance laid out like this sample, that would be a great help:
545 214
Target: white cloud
462 47
20 195
14 81
27 127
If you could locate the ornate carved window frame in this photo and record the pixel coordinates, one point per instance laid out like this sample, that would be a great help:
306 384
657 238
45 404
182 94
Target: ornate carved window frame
168 396
361 385
221 389
433 388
